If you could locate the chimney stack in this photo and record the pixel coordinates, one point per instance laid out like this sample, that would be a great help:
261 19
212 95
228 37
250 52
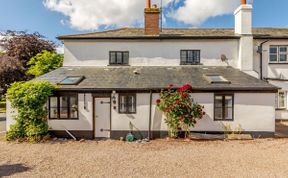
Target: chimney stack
243 2
151 15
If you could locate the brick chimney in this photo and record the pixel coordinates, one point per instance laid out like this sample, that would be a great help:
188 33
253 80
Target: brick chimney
151 15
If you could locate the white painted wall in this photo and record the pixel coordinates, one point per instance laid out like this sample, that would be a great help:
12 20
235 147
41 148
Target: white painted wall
253 111
273 70
85 121
144 53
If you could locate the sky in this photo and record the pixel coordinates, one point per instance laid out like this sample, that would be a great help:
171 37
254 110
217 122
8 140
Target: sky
57 17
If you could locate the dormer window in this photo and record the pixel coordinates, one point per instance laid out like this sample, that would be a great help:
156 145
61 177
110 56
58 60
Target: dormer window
119 58
190 57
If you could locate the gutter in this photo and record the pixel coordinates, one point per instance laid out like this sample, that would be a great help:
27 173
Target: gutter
150 116
276 79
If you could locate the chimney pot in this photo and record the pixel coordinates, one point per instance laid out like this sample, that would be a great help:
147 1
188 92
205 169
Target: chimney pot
243 2
154 6
148 4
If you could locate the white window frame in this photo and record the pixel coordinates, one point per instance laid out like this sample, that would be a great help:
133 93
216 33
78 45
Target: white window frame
278 54
278 100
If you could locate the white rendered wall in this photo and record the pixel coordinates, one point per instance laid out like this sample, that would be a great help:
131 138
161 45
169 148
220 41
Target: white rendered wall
253 111
273 70
85 121
144 53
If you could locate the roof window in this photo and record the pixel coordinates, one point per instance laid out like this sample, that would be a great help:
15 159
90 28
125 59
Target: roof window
214 79
72 80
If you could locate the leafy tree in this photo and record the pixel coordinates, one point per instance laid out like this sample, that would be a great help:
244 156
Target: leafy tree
44 62
19 48
29 99
11 70
23 46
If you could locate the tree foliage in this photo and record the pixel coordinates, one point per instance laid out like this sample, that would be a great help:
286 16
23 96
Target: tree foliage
29 99
181 111
19 48
44 62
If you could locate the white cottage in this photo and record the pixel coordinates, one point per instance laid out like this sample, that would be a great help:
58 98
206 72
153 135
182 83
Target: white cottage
110 80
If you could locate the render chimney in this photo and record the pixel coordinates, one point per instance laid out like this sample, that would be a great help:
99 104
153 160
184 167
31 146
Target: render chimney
243 18
243 28
151 18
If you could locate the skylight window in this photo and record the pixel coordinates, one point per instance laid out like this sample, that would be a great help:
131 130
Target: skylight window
214 79
72 80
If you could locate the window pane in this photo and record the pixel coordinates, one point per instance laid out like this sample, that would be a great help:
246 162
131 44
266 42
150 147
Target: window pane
112 58
73 107
228 101
228 114
53 102
281 99
273 58
126 58
283 49
218 101
131 104
122 103
64 107
119 58
273 49
53 108
218 114
283 57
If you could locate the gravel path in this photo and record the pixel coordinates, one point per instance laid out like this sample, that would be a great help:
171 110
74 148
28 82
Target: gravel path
160 158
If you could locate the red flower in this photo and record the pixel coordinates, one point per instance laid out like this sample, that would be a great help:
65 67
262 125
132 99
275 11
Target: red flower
167 109
158 101
178 102
184 95
170 85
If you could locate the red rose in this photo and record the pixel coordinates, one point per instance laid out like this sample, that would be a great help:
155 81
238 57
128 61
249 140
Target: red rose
158 101
170 85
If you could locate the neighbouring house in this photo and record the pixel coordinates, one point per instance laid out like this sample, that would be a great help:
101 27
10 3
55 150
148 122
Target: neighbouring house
110 80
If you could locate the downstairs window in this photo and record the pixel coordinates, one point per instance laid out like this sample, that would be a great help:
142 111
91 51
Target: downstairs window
127 103
223 107
63 107
281 100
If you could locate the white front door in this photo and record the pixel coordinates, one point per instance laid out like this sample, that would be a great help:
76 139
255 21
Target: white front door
102 117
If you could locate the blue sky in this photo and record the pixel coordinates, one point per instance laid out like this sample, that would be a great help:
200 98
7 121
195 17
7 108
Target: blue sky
32 15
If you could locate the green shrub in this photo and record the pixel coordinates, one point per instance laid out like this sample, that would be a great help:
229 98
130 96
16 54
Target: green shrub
29 99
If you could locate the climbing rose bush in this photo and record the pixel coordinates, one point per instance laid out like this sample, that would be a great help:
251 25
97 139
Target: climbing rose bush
180 109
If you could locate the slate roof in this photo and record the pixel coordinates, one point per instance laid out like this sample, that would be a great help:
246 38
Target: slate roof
180 33
150 77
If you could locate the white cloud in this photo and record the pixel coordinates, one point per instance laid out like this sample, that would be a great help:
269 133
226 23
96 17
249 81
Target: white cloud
60 49
92 14
195 12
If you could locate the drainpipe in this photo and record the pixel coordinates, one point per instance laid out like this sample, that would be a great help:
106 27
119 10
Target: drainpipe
260 51
150 116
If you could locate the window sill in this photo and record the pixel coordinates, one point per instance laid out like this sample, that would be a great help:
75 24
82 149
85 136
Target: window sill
223 120
191 64
275 63
127 112
118 65
281 109
64 119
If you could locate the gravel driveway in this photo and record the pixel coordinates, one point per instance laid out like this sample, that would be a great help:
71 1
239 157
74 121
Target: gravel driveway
160 158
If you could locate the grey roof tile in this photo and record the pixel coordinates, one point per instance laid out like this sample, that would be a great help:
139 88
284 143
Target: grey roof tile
124 78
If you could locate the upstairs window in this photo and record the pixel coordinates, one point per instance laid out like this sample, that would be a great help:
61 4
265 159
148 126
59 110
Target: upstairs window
63 107
119 58
223 107
189 57
127 103
278 54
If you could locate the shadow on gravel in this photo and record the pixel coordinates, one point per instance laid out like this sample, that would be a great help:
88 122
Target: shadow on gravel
8 170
